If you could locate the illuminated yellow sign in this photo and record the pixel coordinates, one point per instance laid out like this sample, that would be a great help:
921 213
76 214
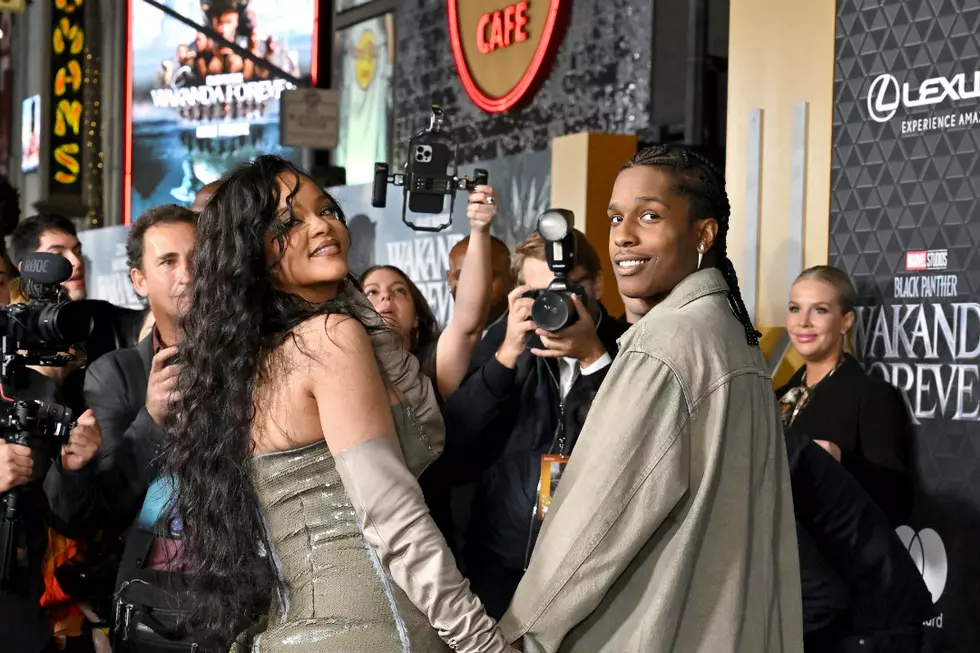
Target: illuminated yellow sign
67 46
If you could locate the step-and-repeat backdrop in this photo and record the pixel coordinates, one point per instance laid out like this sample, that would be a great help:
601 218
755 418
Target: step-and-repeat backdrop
905 224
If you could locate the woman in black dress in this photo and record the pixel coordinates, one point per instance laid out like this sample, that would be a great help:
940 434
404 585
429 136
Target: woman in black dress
861 420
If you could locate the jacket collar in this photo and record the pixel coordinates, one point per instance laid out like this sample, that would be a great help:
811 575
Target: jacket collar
146 351
702 283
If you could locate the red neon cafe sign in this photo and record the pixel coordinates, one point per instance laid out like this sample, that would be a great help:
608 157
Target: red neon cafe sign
496 30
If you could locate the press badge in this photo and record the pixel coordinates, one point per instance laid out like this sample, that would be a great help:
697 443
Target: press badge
552 467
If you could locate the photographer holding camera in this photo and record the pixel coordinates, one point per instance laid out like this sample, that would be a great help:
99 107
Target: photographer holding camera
46 480
521 407
131 391
115 326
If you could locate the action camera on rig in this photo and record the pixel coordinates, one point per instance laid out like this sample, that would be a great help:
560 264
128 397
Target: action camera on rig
425 181
553 309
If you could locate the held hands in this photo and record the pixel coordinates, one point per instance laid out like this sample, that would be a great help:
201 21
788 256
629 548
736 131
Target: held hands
16 465
579 341
830 448
161 388
83 442
520 326
482 208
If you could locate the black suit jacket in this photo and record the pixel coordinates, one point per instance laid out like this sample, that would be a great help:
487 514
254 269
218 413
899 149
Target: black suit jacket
868 420
112 327
115 327
115 389
857 576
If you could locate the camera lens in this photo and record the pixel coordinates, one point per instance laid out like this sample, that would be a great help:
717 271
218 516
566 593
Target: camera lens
67 322
553 311
420 149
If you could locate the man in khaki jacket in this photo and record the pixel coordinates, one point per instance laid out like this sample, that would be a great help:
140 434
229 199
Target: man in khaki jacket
672 529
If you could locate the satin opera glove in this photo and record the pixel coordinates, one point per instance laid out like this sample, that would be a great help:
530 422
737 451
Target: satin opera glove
396 522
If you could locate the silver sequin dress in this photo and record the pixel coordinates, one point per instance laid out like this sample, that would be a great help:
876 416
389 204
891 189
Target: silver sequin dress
333 594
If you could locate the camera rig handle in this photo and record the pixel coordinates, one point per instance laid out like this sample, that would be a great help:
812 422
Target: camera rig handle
432 147
23 420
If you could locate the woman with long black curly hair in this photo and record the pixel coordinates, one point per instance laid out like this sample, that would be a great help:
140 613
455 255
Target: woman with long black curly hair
300 428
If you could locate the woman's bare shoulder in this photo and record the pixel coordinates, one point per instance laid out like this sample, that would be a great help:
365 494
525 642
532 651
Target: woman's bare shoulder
331 339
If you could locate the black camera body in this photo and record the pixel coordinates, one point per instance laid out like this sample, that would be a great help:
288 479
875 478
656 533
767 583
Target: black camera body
38 333
29 421
553 309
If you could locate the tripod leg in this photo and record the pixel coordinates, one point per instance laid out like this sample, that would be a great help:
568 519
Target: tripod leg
7 551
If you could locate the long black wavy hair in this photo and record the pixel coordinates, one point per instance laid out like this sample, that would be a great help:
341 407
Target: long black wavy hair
703 184
236 318
428 329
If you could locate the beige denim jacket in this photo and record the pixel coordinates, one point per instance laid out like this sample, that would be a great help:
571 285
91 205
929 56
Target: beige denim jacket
672 529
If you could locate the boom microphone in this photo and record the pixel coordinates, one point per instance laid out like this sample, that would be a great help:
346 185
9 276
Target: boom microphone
46 268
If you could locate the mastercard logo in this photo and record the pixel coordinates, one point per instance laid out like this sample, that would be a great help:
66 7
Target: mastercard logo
929 554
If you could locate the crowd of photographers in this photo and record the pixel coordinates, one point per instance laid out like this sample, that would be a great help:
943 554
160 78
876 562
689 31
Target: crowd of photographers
93 502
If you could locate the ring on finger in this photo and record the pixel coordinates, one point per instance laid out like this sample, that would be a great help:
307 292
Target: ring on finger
491 199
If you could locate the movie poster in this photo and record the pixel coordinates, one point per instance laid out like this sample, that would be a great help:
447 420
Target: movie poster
379 237
365 58
905 227
199 108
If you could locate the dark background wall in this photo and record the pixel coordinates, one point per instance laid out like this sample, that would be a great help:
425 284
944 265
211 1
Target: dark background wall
902 183
599 81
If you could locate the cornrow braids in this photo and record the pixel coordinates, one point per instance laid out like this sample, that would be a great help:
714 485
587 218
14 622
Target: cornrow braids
704 185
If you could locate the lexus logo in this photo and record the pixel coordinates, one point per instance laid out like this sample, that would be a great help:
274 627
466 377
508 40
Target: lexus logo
884 97
929 554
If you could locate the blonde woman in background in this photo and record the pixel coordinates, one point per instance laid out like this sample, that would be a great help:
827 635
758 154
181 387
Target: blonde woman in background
860 420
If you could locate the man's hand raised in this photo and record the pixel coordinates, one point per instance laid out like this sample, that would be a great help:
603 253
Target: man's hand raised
161 388
83 443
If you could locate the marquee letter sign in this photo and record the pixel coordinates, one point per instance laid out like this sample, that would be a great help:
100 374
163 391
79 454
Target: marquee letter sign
67 45
499 47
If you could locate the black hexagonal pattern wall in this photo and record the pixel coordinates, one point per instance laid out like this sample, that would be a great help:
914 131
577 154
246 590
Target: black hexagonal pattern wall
906 178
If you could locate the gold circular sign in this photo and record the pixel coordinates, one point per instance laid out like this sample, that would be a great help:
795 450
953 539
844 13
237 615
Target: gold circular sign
365 59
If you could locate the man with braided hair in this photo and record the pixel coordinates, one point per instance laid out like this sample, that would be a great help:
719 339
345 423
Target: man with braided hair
672 528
